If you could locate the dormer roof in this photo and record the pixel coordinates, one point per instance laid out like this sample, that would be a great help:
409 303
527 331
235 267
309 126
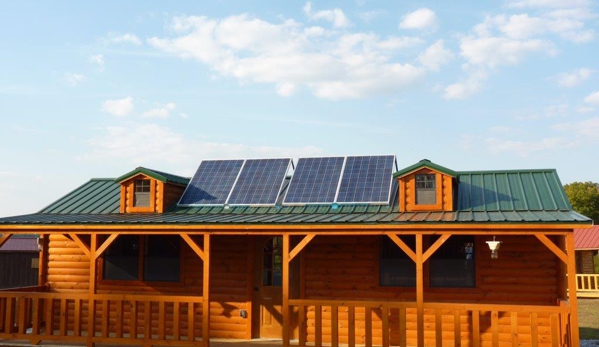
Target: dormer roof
425 163
155 174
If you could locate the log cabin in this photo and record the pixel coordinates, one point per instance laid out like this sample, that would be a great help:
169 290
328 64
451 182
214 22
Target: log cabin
586 246
319 252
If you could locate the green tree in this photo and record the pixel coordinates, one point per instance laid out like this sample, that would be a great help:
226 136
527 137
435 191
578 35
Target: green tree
584 197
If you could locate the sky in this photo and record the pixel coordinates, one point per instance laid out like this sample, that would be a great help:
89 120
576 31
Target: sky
96 89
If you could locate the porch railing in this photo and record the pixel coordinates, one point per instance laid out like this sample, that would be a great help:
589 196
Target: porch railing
587 285
375 323
119 319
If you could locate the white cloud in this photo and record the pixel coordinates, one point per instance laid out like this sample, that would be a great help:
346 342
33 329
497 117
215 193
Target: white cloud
162 111
496 51
97 59
464 89
334 66
524 148
74 78
435 56
588 128
593 98
585 109
114 38
184 115
422 18
573 78
521 26
119 107
335 16
159 146
370 15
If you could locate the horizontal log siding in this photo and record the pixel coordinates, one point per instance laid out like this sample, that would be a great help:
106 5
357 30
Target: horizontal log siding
68 271
338 268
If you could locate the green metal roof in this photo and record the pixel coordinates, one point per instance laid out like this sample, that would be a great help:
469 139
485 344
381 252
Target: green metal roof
494 197
159 175
425 163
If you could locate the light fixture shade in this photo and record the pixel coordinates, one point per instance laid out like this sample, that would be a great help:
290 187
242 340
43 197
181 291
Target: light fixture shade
494 247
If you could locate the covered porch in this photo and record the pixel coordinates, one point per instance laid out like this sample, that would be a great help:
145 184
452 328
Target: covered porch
39 314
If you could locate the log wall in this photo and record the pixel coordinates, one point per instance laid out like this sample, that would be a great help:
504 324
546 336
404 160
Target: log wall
68 271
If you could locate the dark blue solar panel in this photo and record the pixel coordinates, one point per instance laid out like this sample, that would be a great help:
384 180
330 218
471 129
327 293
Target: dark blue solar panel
212 183
315 180
366 179
260 182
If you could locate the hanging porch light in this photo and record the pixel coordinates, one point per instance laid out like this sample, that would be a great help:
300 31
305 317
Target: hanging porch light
494 247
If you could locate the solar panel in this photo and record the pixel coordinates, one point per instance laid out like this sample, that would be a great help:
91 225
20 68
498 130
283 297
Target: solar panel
260 182
366 179
315 180
212 182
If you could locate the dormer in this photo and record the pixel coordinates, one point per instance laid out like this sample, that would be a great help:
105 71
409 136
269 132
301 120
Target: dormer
149 191
425 186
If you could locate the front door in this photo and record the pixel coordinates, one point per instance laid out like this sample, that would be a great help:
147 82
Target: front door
267 298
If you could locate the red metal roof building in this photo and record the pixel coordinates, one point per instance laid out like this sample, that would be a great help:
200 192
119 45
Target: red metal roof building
586 239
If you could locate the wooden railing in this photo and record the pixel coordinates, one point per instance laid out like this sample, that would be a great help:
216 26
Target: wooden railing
117 319
587 285
374 323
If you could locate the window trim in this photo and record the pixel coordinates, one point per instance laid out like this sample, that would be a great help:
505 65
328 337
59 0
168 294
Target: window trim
140 268
128 195
438 192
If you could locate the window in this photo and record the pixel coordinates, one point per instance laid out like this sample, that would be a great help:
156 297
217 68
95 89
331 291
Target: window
160 258
142 193
452 265
426 194
395 267
272 260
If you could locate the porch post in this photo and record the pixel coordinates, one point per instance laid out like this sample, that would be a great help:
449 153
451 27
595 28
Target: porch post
286 316
572 289
91 305
206 293
419 291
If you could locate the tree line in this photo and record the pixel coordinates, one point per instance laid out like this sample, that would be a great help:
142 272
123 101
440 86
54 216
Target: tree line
584 197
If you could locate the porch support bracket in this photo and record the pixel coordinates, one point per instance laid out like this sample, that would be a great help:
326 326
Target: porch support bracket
4 238
403 246
105 245
80 243
300 246
194 246
435 246
552 246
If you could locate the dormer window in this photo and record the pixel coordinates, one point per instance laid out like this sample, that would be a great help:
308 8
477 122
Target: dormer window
142 193
426 193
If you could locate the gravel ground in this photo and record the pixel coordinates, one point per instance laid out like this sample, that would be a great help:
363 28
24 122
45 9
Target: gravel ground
589 343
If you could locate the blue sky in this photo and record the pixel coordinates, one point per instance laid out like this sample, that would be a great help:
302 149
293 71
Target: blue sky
95 89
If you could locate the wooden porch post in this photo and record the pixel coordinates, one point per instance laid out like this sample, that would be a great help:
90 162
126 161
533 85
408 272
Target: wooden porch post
91 307
286 316
419 291
572 289
206 293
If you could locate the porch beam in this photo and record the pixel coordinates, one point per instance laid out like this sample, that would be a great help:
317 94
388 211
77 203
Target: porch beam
301 246
555 249
403 246
194 246
206 293
419 292
435 246
105 245
286 316
572 299
80 243
4 238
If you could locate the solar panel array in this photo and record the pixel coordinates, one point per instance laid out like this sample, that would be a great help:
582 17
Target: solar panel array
356 179
236 182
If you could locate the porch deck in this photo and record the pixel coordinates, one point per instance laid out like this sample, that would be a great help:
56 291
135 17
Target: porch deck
587 285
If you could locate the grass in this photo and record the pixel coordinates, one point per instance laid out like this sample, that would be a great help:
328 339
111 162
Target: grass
588 318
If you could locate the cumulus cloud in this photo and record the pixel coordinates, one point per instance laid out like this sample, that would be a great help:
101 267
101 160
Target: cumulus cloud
334 66
574 78
467 87
119 107
526 148
128 38
593 98
423 18
74 78
435 56
547 3
496 51
162 111
588 128
156 145
335 16
98 60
